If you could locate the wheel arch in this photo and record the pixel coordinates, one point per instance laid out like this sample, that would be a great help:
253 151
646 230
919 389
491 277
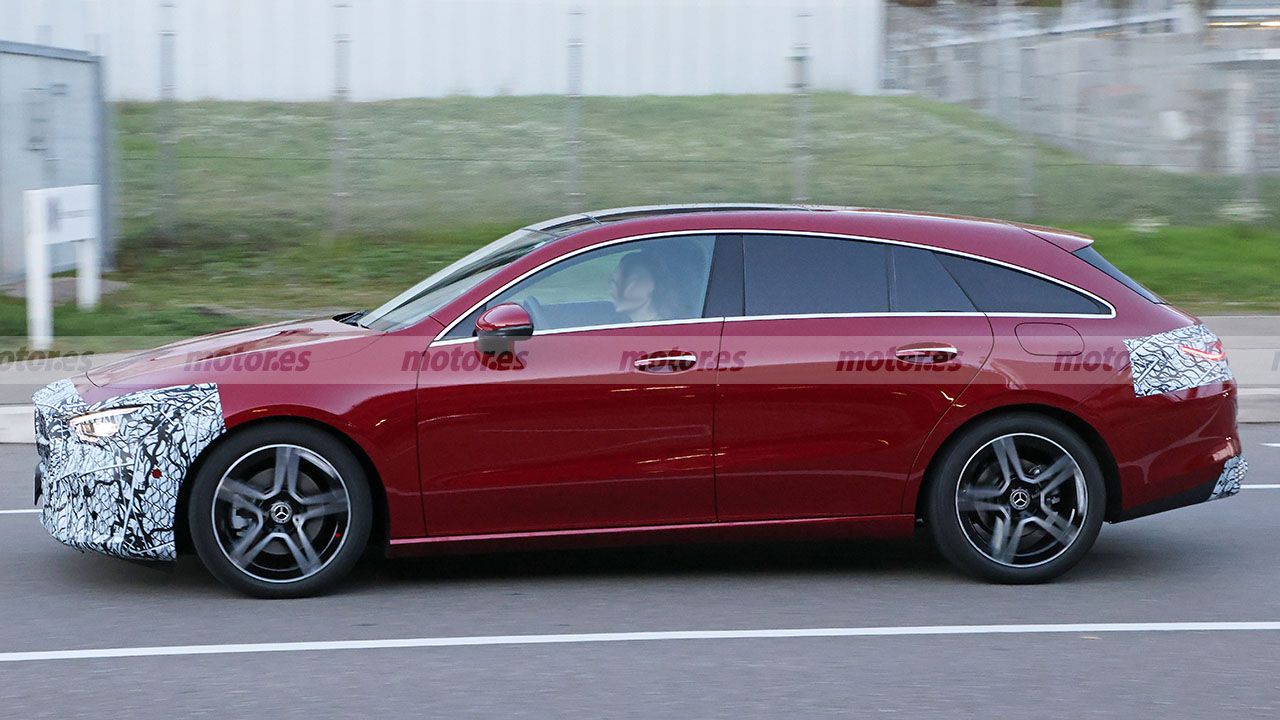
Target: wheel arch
380 532
1086 431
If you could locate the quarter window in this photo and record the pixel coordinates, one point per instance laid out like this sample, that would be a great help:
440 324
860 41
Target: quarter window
798 275
1091 256
994 288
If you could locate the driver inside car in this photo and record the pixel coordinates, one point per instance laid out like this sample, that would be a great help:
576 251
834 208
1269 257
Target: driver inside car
644 288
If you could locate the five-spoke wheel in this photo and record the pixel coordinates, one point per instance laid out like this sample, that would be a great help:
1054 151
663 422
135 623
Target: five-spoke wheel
280 511
1019 498
1022 500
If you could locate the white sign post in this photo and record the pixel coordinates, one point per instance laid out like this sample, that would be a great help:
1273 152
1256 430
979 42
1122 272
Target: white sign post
54 216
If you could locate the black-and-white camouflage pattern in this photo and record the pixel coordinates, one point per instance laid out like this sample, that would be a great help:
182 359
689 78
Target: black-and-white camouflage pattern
1229 481
1159 366
118 495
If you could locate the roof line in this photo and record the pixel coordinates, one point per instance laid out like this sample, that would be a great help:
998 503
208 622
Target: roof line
600 217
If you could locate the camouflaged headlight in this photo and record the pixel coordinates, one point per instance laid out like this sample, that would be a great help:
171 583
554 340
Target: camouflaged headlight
99 424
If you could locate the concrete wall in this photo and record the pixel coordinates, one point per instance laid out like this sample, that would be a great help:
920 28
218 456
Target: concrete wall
1157 100
283 49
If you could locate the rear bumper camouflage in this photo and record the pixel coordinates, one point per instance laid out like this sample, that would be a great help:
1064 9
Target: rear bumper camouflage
1225 485
1228 483
118 495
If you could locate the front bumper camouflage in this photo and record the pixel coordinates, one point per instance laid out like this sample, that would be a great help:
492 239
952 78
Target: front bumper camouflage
118 495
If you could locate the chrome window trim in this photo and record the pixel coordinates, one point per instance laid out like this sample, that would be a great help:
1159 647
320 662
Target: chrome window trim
584 328
1111 309
939 313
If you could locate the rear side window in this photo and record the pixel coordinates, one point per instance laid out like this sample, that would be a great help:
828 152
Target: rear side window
798 275
994 288
1094 258
919 283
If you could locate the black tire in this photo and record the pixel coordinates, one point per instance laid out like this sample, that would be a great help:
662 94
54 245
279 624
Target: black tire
319 524
994 536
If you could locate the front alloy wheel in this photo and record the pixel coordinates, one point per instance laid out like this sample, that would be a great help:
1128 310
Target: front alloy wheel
1016 499
281 511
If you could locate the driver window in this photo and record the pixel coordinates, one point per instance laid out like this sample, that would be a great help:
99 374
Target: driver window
632 282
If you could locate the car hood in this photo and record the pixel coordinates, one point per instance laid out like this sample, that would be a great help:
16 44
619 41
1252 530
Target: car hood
278 338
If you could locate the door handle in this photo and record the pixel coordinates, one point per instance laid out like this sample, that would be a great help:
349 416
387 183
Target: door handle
927 353
666 362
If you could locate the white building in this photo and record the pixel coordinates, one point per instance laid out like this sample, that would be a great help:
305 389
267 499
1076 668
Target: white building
284 49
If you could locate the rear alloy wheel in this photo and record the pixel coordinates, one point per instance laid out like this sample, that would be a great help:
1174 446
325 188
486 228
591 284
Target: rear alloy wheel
1018 499
282 511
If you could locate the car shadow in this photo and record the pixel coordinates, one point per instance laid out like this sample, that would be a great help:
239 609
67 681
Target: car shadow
1111 560
833 557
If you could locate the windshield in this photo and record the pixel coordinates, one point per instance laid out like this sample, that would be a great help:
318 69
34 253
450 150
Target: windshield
441 287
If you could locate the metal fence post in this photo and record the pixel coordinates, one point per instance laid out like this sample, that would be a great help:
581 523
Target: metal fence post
341 133
573 120
801 105
44 31
168 170
1025 121
1006 99
104 132
1253 158
44 108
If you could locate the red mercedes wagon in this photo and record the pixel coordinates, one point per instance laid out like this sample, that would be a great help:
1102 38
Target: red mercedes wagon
661 375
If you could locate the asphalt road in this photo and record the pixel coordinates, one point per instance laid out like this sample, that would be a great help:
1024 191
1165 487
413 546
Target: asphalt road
1211 563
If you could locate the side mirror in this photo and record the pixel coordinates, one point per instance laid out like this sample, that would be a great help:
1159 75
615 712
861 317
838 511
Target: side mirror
501 326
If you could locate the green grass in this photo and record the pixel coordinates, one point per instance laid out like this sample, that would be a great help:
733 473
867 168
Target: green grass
1206 270
431 179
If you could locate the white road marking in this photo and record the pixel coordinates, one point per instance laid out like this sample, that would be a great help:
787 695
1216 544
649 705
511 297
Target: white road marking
19 512
1261 487
1274 445
582 638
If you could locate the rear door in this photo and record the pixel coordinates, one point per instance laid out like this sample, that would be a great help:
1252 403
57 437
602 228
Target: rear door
845 355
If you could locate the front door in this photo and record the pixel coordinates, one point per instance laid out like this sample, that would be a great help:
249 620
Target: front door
602 419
